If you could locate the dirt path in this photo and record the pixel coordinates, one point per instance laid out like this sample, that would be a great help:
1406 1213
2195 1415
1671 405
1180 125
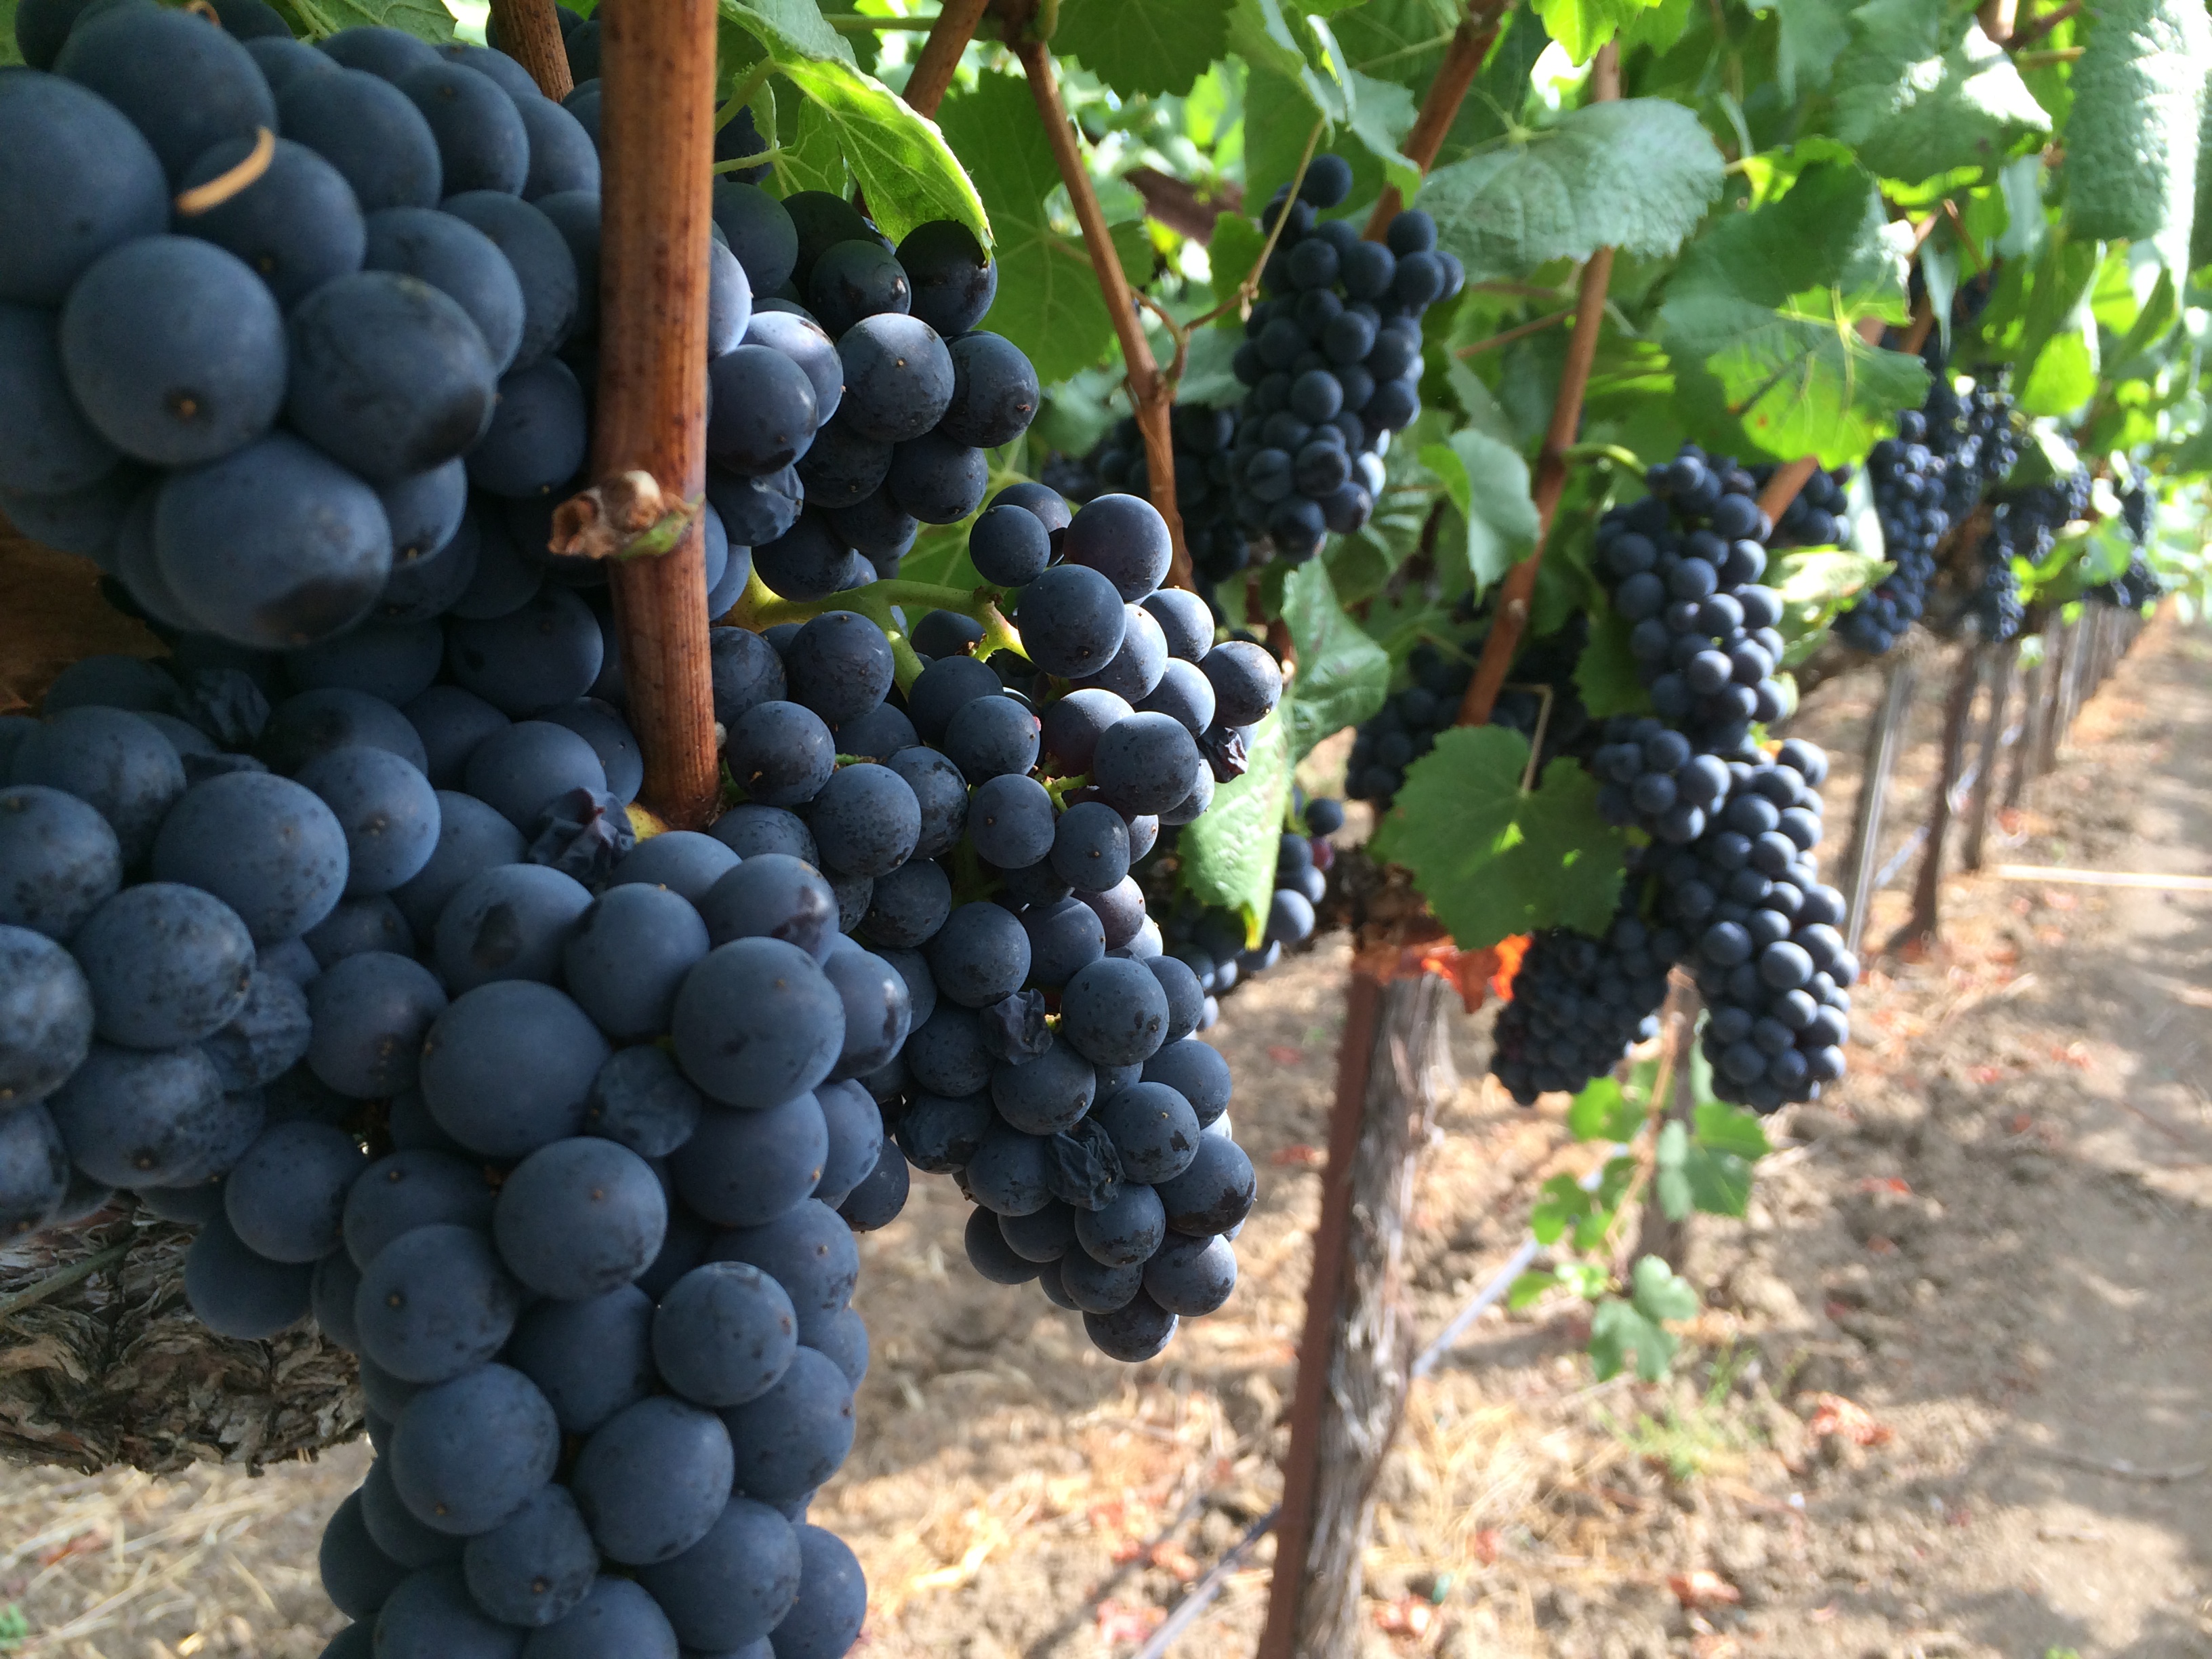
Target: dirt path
1996 1243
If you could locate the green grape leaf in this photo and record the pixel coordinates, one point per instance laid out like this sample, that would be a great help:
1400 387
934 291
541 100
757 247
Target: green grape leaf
1760 320
1229 855
1621 1337
1921 90
426 20
1636 174
1580 27
2131 136
9 54
1603 1111
790 29
1492 861
1526 1291
1488 481
811 157
1137 46
1343 676
1048 303
900 161
1382 113
1813 34
1724 1128
1606 675
1660 1292
1716 1183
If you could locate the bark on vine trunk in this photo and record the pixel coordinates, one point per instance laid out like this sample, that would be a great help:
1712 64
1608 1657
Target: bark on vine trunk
115 1369
1409 1074
1921 924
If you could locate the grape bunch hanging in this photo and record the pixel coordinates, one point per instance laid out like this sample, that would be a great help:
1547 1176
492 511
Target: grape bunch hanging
1332 357
332 935
1729 887
1924 481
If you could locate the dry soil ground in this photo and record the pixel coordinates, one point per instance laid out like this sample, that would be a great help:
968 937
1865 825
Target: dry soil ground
1988 1255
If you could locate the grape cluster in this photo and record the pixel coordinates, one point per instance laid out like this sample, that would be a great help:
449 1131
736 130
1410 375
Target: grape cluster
1579 1003
1730 886
1908 487
1202 436
1210 940
1977 436
1095 1143
2140 584
1925 480
1332 357
1815 516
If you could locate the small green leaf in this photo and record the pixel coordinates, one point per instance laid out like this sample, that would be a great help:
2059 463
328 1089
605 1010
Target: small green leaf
1724 1128
1488 481
1580 27
2131 136
1587 1279
1228 856
1343 676
1621 1337
1144 46
1492 861
1603 1112
901 161
1921 90
9 54
1529 1289
1660 1292
1047 302
1562 1203
1636 174
1716 1183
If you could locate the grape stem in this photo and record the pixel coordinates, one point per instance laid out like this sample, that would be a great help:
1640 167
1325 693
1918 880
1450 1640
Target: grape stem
955 26
1249 289
1152 395
1470 45
759 158
761 609
1519 587
531 31
1512 334
748 85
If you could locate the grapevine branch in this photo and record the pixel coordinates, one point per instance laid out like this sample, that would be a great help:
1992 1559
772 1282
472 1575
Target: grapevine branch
658 78
1151 393
1519 586
1522 332
530 32
1470 44
1239 300
1781 489
949 35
